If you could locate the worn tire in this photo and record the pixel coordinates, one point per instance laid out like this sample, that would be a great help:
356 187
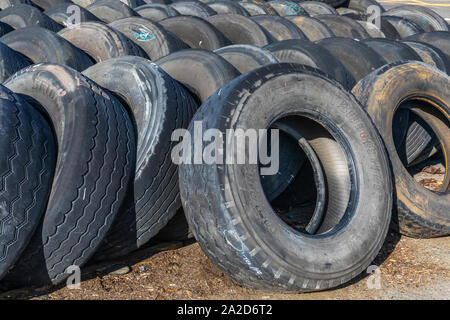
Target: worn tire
227 7
233 221
42 45
439 39
314 55
101 42
159 106
314 29
245 57
176 230
430 55
314 8
363 5
10 62
110 11
96 156
22 15
239 29
156 12
403 26
419 211
27 163
62 13
255 7
190 8
424 17
279 28
162 44
201 72
357 58
392 51
9 3
47 4
287 8
372 29
343 26
195 32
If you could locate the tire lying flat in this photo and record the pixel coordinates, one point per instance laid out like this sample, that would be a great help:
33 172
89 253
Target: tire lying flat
420 212
27 163
230 216
96 156
159 106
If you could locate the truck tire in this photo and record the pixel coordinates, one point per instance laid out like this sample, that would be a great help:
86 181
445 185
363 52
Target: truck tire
10 62
9 3
311 27
201 72
110 11
22 15
190 8
343 26
430 55
279 28
26 170
101 42
314 55
357 58
424 17
254 9
287 8
159 106
314 8
229 214
63 12
159 42
403 26
419 212
195 32
439 39
227 7
245 57
96 156
42 45
239 29
156 12
392 51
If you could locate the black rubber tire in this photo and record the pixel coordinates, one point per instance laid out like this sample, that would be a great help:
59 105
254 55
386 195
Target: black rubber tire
279 28
22 15
352 13
9 3
61 14
42 45
439 39
430 55
5 28
357 58
47 4
201 72
389 30
245 57
287 8
419 211
314 29
226 7
110 11
371 29
132 3
156 12
190 8
159 106
83 3
314 8
176 230
363 5
314 55
163 43
101 42
195 32
10 62
343 26
230 216
403 26
392 51
239 29
256 7
333 3
27 163
424 17
96 157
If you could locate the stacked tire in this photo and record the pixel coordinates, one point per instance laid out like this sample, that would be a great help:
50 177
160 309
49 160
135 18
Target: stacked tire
99 99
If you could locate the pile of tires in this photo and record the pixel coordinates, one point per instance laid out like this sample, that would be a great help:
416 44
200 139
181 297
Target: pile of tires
95 94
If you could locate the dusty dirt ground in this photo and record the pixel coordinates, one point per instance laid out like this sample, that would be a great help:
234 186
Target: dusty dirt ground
409 269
